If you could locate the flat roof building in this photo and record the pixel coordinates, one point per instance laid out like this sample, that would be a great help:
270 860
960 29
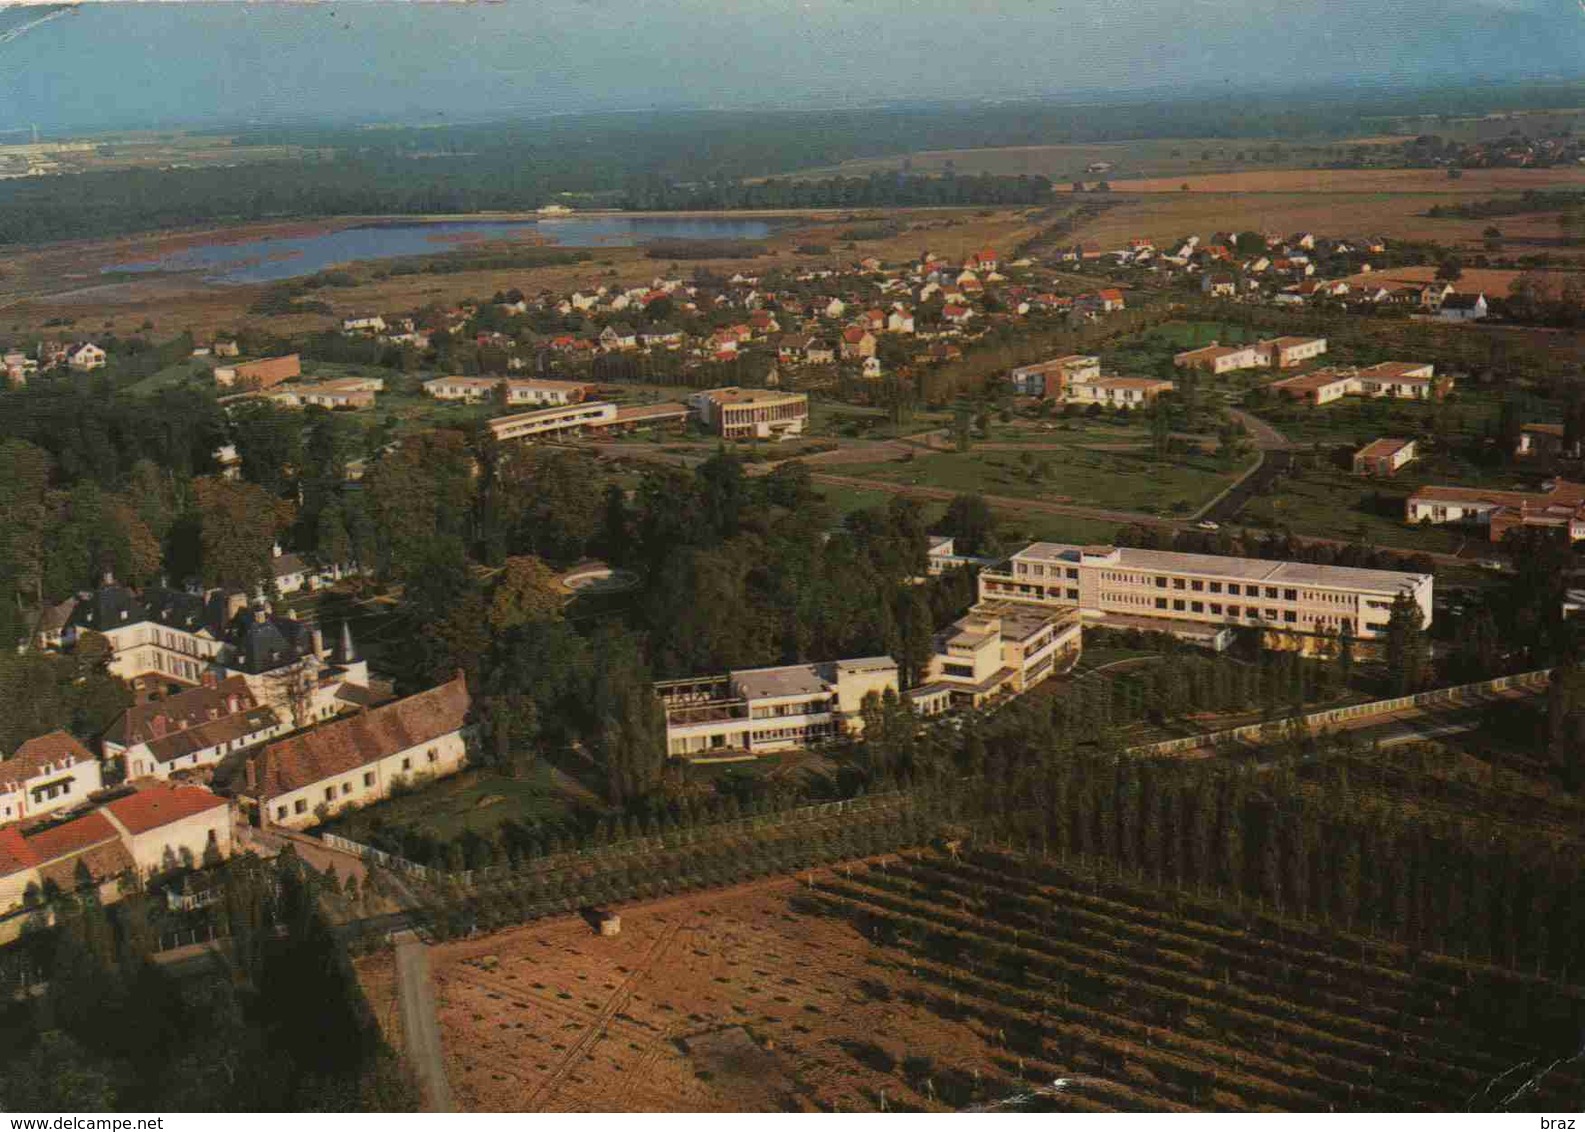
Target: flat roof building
748 712
1050 379
999 649
1168 586
519 390
748 414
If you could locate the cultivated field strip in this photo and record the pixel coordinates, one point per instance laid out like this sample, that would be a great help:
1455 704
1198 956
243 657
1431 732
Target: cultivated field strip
1212 1017
1354 991
1245 985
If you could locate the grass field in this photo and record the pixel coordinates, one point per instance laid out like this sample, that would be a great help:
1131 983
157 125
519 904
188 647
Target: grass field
1143 157
1333 181
1170 216
474 801
1332 503
1131 481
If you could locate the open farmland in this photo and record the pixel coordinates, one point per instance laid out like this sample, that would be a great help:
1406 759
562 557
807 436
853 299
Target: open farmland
937 984
1164 216
1142 157
1331 181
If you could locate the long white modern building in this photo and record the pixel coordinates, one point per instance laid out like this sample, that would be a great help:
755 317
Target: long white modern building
747 712
1167 589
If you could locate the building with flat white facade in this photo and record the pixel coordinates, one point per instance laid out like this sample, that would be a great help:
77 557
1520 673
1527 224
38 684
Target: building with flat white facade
1000 649
1217 358
168 827
1285 352
1559 504
1383 457
1050 379
1410 381
750 414
570 419
754 710
1162 587
519 390
1130 392
305 779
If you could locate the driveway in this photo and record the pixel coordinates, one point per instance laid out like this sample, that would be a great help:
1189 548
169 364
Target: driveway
419 1028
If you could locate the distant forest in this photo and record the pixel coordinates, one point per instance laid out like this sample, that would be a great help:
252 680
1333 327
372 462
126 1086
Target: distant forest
669 160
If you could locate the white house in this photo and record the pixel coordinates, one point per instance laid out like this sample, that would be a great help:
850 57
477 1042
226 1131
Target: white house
364 324
1460 307
192 730
85 356
168 827
304 779
47 773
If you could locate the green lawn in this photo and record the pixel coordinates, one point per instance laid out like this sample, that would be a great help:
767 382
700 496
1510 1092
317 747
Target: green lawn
833 418
196 370
1332 503
476 800
1464 417
1131 481
1016 528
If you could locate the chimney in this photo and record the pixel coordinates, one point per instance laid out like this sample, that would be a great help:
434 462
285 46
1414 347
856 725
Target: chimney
318 639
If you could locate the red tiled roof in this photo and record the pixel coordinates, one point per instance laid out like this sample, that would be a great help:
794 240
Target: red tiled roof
58 748
70 837
1111 295
350 743
15 853
160 804
185 709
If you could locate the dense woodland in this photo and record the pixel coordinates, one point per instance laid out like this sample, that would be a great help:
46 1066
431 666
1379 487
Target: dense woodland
656 160
281 1026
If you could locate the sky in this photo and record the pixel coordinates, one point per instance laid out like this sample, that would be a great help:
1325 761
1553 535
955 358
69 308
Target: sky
117 66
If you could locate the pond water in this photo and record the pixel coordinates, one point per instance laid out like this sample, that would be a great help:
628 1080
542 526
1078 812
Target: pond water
285 257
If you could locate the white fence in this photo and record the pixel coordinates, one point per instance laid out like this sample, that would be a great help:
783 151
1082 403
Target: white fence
1256 731
383 859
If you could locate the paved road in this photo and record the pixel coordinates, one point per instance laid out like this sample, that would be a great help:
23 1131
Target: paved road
420 1031
1265 436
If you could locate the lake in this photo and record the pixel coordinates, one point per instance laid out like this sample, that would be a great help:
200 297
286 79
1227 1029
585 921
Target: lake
286 257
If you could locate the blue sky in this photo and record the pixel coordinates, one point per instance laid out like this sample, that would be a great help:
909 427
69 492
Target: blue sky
115 66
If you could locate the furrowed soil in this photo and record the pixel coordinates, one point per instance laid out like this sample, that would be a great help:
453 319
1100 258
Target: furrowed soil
928 982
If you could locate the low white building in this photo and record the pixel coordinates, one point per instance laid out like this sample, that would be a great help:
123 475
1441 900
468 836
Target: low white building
1130 392
754 710
167 827
519 391
45 774
305 779
191 731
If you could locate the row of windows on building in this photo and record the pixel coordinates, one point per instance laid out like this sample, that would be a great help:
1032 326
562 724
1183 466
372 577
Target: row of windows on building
1251 612
1232 589
778 711
332 792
